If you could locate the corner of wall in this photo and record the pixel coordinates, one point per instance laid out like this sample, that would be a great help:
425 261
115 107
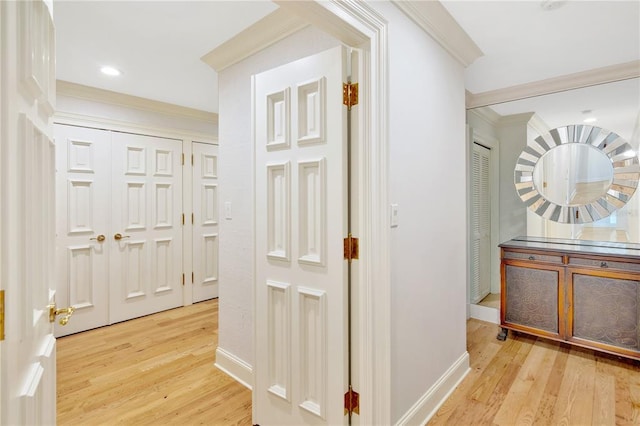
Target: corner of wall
429 403
234 367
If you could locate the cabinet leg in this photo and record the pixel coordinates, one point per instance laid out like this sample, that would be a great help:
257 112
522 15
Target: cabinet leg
503 334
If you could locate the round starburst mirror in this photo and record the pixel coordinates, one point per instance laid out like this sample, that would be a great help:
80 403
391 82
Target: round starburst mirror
577 174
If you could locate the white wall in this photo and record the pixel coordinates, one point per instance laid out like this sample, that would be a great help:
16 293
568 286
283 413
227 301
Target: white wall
236 186
512 133
428 182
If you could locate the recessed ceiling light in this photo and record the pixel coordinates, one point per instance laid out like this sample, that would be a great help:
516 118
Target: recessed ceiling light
552 4
590 120
110 71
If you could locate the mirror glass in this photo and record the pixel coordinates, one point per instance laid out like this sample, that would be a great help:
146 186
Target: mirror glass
576 174
573 174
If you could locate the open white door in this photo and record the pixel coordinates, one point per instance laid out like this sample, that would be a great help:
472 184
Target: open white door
27 228
300 211
205 221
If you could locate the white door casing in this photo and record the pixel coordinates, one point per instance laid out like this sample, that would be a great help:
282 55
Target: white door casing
83 210
146 263
205 221
480 223
300 188
27 99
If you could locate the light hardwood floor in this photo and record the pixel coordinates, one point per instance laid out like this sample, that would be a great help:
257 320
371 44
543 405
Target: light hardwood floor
159 370
530 381
156 370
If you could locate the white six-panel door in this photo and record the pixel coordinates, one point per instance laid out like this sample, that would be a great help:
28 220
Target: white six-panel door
27 99
83 209
300 287
117 183
205 221
146 195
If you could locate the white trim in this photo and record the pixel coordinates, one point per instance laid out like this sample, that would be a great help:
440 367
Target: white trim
486 114
577 80
267 31
74 119
422 411
436 21
484 313
79 91
538 124
234 367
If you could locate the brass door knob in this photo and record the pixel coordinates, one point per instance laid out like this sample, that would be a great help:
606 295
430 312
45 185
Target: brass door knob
100 238
119 236
66 312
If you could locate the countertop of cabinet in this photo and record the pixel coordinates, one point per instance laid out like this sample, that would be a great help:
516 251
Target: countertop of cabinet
602 248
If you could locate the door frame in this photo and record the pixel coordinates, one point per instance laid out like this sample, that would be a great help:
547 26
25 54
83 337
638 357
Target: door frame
358 25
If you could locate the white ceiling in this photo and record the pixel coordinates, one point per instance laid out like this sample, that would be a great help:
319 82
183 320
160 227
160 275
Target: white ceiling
522 42
158 44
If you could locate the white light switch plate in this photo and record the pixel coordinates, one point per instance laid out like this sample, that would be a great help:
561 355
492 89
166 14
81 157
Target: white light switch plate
394 215
227 210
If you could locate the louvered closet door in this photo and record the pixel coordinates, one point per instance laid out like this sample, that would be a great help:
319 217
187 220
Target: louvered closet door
480 224
205 221
146 262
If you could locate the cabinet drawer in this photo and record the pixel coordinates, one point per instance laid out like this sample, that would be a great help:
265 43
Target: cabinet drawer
604 264
534 257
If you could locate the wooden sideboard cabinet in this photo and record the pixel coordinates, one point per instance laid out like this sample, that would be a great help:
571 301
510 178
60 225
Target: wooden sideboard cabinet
585 293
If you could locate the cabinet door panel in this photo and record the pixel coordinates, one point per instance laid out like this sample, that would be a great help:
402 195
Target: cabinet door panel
605 310
532 297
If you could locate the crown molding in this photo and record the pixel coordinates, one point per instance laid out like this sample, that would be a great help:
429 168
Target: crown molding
436 21
65 88
577 80
267 31
515 119
539 125
487 115
81 120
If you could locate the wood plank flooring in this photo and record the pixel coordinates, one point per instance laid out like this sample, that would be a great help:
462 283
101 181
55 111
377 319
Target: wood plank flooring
156 370
531 381
159 370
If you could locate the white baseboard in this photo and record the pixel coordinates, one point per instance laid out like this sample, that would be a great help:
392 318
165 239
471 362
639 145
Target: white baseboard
234 367
431 401
484 313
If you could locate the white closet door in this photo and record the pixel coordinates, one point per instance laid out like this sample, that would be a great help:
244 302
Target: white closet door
83 209
205 221
146 262
480 224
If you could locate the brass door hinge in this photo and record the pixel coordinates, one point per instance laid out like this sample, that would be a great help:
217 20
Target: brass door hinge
350 94
1 314
351 248
183 218
192 278
192 159
193 219
183 158
351 402
182 279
